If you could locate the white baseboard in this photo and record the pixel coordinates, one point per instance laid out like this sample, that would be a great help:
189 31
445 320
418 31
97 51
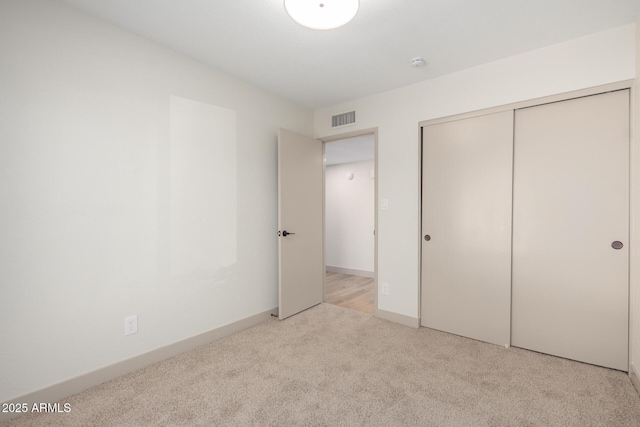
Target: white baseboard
635 379
57 392
351 271
413 322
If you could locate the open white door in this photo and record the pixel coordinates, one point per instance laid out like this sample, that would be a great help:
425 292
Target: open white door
300 182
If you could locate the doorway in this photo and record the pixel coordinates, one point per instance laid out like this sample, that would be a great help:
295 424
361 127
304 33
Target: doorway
350 222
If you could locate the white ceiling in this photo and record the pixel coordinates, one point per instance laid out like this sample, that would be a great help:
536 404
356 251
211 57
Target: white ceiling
256 40
349 150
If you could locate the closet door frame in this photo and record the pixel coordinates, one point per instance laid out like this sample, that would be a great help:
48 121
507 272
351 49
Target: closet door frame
634 190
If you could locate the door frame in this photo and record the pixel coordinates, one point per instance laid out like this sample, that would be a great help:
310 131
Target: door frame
337 137
634 189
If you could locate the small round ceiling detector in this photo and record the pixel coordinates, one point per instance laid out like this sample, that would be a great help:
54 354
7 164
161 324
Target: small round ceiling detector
418 62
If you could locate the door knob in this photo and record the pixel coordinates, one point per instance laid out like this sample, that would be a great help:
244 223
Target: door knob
617 245
285 233
427 237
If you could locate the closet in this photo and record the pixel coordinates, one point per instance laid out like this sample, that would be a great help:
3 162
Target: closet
525 224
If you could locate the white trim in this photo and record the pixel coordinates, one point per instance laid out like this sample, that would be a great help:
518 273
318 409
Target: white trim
412 322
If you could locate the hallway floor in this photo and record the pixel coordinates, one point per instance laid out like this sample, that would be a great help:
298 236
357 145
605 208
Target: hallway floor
354 292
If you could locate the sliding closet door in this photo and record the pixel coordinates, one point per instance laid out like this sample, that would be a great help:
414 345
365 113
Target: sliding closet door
570 229
466 225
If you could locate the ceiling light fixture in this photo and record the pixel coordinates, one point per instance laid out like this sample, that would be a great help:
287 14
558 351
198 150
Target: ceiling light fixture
322 14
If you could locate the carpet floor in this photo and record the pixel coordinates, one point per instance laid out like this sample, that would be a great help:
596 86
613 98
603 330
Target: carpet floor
332 366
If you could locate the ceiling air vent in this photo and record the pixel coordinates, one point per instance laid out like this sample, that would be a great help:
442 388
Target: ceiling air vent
343 119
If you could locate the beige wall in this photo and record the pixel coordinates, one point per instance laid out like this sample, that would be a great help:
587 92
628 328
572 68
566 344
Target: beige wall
93 169
585 62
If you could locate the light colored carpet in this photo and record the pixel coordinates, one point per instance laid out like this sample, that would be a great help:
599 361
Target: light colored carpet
332 366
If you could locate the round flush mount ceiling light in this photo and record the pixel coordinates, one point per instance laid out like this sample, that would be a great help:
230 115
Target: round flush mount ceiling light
322 14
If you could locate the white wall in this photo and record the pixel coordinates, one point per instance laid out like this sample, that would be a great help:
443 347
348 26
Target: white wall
585 62
349 216
94 170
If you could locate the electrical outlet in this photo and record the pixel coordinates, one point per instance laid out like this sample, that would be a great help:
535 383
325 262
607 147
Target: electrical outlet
385 289
130 325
